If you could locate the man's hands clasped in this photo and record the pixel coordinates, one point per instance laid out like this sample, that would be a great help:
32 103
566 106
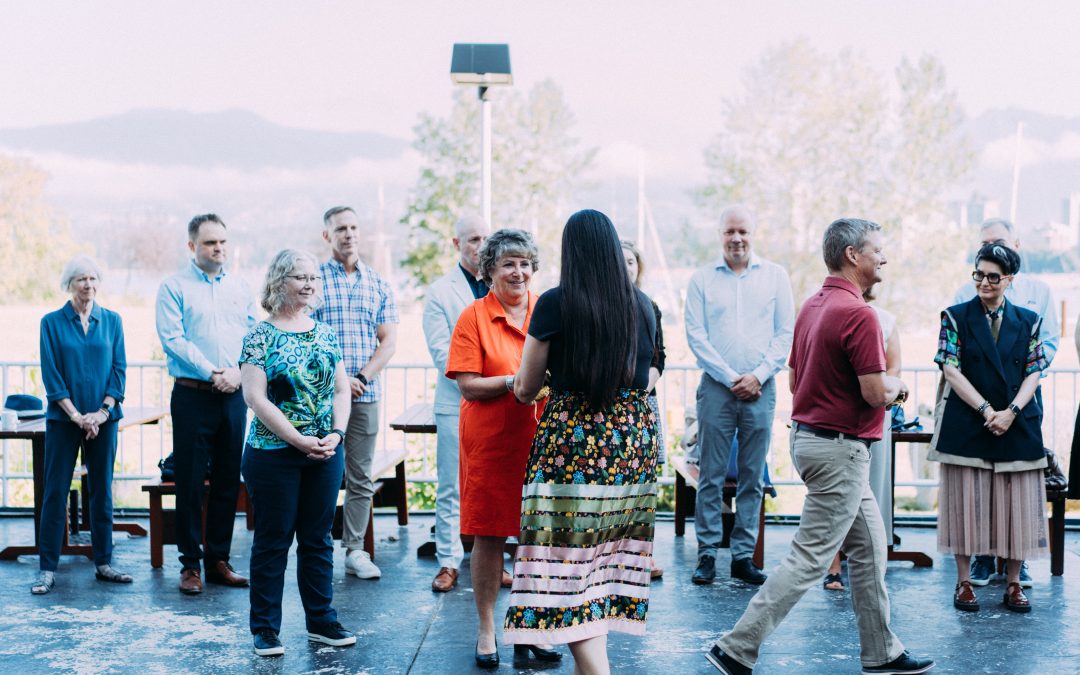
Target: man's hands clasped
746 387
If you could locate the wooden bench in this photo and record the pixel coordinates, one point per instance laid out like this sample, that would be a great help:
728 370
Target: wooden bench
163 521
686 482
388 468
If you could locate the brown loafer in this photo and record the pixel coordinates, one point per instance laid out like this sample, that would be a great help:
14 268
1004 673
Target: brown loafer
445 580
1015 600
223 573
965 599
507 580
190 582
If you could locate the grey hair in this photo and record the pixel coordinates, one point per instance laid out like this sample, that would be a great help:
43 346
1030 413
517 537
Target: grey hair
272 297
507 242
463 224
843 233
737 208
994 222
333 211
80 264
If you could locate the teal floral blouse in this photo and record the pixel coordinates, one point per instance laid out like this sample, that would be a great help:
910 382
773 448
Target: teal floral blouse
299 371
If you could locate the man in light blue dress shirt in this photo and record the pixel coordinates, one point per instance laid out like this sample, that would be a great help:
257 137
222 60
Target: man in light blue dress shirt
739 321
1029 293
203 314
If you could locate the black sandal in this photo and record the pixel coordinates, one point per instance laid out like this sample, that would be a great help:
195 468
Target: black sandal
833 579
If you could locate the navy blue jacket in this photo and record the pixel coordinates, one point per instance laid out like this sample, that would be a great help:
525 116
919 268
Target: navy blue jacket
996 371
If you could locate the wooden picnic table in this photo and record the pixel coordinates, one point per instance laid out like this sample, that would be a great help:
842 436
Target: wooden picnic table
34 431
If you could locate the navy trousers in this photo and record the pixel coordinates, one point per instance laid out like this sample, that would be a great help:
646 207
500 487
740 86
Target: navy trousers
293 496
208 428
62 442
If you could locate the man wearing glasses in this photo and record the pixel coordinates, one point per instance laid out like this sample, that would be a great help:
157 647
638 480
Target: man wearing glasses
1029 293
203 314
359 305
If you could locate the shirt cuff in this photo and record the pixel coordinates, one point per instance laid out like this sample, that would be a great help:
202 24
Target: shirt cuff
762 373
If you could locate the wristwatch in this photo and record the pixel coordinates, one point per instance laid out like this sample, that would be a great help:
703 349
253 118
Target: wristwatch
362 378
1015 409
509 383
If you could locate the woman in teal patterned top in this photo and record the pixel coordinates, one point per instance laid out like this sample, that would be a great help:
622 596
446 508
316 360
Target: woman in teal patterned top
294 381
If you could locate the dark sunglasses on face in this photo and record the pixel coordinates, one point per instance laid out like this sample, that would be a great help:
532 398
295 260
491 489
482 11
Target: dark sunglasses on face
992 277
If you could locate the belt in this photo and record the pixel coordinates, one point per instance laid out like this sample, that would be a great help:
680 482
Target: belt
201 385
829 433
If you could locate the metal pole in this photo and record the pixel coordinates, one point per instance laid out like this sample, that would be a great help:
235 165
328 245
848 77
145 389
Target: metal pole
485 155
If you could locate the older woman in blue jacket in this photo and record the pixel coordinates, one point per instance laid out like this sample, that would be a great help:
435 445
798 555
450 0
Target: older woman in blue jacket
83 367
988 440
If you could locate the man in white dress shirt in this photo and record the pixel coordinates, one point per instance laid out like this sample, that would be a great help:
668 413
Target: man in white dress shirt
1029 293
739 321
446 299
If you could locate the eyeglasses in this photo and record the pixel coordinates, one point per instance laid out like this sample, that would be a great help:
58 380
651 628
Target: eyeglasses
305 278
993 278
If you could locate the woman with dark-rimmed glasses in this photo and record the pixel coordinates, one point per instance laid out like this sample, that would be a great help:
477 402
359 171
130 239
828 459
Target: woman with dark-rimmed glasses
988 440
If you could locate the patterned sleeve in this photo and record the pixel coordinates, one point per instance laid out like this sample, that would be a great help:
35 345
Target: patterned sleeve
254 349
948 353
331 342
1036 359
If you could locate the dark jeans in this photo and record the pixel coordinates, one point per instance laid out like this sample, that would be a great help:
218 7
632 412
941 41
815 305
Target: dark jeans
292 496
208 428
62 442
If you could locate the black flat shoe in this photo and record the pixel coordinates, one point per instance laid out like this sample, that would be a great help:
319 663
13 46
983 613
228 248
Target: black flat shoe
487 660
539 653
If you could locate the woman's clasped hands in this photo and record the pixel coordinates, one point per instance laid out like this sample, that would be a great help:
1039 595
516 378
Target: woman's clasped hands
999 421
319 448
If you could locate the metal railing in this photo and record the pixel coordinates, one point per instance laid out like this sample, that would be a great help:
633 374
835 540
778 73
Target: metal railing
148 384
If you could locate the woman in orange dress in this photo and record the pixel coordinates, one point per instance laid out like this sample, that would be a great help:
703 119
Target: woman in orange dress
496 431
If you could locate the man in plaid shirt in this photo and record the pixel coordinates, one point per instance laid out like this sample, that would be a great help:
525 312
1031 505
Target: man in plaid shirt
359 305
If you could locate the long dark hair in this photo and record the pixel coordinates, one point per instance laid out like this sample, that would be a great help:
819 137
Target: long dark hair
599 308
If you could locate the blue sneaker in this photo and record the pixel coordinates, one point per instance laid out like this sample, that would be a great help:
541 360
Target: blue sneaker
982 568
1025 576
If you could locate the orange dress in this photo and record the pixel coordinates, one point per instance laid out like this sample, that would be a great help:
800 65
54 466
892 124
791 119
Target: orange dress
496 434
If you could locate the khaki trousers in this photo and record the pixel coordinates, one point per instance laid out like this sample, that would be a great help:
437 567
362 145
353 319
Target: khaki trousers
359 483
839 511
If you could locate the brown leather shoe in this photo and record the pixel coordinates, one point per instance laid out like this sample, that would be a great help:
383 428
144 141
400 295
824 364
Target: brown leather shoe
223 573
445 580
507 580
965 599
1015 600
190 582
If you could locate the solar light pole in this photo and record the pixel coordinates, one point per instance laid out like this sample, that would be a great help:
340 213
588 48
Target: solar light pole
483 65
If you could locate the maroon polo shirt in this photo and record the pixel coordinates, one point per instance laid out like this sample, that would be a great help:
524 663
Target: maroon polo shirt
837 339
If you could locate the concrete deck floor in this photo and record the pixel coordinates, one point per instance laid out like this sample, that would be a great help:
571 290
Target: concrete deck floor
86 626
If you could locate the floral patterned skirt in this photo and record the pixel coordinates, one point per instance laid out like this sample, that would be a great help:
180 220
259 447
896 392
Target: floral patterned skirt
588 507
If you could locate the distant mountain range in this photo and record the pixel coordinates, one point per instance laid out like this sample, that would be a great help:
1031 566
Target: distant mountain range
231 138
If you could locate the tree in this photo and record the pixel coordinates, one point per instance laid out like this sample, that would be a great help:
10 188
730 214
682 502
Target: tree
35 243
537 166
818 136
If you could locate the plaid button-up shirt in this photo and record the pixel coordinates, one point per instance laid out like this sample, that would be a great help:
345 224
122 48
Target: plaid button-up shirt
355 311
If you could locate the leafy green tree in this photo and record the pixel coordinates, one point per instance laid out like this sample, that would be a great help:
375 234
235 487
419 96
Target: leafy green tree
537 165
817 136
34 241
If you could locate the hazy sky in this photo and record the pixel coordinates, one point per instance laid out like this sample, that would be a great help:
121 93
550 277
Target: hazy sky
637 74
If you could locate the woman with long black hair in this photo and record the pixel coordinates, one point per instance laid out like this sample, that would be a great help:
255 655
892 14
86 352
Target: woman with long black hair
589 502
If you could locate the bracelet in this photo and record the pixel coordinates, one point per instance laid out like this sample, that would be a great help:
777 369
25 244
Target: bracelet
509 383
984 406
363 379
105 410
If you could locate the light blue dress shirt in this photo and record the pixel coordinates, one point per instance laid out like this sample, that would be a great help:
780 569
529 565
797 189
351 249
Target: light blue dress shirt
740 323
202 321
1029 293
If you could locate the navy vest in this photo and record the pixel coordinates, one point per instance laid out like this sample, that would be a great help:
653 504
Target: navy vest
996 371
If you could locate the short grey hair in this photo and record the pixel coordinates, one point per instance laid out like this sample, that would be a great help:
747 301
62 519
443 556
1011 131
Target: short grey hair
843 233
994 222
272 297
507 242
740 209
466 223
77 266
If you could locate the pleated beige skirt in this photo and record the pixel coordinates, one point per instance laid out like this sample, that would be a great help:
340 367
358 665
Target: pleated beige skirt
985 513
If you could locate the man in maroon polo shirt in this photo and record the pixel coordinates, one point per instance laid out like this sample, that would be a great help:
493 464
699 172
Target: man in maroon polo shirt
839 394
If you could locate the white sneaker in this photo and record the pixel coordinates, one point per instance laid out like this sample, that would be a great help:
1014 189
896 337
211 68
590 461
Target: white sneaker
358 563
